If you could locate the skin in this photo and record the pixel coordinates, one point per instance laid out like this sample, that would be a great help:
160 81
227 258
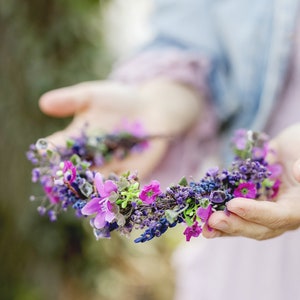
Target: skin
263 220
164 107
169 108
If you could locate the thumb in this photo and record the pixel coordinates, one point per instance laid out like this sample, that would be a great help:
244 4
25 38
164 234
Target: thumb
66 101
296 170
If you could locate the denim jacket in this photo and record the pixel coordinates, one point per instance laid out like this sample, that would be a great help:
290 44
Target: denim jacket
247 43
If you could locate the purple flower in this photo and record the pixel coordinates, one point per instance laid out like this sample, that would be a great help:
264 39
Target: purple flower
69 171
204 213
259 152
35 174
240 139
217 196
135 128
150 192
275 169
101 206
275 188
213 171
192 231
54 199
122 203
245 190
52 215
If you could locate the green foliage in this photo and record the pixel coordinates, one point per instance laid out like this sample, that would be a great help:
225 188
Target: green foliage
44 45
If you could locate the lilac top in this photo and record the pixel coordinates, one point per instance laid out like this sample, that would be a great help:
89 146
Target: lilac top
240 268
224 268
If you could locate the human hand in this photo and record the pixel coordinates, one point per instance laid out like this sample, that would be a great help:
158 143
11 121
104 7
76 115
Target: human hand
262 220
164 107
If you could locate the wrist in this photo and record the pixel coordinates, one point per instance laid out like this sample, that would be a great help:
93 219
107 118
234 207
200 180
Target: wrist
172 107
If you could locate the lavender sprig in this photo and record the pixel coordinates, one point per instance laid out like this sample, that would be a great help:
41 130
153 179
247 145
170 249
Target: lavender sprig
120 203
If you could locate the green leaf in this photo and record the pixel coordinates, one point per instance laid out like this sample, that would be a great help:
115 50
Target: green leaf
75 159
119 201
49 153
188 221
85 165
183 182
70 143
267 183
204 202
124 204
171 215
190 211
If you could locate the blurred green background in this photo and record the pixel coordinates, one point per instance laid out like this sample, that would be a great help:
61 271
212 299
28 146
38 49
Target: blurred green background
45 45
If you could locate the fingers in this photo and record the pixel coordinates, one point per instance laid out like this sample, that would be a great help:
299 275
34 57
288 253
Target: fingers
66 101
265 213
59 138
233 225
144 162
210 233
296 170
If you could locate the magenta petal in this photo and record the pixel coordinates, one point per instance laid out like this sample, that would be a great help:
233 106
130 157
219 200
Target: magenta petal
100 221
109 216
192 231
109 186
91 207
99 184
276 170
245 190
204 213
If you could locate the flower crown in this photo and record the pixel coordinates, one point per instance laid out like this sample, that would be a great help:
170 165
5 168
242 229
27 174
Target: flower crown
121 203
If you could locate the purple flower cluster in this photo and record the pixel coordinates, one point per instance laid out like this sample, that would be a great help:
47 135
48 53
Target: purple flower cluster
120 203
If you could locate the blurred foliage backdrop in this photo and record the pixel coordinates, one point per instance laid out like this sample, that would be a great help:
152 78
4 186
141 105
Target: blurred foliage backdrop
45 45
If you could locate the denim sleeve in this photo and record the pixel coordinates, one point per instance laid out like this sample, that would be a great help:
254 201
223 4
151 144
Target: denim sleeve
185 24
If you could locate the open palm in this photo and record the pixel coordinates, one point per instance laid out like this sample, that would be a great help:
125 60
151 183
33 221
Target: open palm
163 107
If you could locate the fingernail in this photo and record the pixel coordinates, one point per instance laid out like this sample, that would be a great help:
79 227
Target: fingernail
214 234
226 211
222 225
297 168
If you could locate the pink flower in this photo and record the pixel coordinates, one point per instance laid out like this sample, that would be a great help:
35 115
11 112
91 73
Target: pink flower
192 231
101 206
245 190
240 139
275 169
150 192
260 152
54 199
204 213
135 128
69 171
275 188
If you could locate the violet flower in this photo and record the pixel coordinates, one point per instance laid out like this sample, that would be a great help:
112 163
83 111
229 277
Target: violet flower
135 128
150 192
192 231
245 190
69 171
217 196
275 188
204 213
122 204
101 206
54 199
240 139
